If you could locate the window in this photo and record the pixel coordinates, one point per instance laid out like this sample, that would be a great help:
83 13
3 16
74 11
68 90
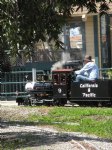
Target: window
104 47
63 79
73 39
111 39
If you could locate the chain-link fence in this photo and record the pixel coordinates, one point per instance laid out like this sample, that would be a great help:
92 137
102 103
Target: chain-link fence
47 56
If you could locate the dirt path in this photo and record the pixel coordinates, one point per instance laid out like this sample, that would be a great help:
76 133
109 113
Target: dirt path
45 137
8 103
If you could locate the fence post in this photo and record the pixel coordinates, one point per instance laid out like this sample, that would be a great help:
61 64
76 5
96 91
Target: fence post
33 74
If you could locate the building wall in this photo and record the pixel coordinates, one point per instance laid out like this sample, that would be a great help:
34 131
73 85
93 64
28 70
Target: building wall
89 30
92 36
93 42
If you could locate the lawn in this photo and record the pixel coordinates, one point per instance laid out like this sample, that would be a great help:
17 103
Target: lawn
96 121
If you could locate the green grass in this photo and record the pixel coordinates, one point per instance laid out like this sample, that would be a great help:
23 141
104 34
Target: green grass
97 121
10 144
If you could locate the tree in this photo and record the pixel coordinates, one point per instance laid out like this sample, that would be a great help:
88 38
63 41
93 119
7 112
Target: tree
5 65
24 22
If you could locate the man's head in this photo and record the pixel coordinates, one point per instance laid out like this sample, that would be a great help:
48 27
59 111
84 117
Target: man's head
87 58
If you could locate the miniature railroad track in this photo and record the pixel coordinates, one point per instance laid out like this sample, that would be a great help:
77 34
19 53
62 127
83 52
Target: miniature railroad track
83 145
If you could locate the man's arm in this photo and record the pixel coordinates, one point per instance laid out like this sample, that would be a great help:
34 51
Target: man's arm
87 67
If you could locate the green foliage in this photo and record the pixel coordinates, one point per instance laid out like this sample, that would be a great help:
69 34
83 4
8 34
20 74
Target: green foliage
5 65
24 22
109 73
10 144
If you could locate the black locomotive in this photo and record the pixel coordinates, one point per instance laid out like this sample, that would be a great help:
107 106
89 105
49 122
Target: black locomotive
63 89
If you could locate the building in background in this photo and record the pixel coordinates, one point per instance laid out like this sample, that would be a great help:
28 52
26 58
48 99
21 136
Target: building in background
90 34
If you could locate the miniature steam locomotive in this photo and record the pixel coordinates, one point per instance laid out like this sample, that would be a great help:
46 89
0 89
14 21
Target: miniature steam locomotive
62 88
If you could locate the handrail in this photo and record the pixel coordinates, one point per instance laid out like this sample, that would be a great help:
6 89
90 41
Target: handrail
23 71
13 82
104 69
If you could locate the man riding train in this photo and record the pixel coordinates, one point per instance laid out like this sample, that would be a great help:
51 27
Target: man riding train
89 72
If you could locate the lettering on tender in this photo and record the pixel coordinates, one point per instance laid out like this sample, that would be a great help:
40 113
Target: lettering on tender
89 86
89 95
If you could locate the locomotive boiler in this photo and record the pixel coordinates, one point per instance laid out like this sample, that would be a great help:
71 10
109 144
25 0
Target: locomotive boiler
38 92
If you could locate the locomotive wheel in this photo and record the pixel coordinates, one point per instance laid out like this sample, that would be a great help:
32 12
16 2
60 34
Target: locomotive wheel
26 102
107 104
63 102
55 102
60 102
32 101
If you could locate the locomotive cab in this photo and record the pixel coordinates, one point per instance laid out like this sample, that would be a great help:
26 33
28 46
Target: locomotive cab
61 85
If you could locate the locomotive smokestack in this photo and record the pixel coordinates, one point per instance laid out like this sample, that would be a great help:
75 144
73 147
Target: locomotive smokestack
33 74
64 58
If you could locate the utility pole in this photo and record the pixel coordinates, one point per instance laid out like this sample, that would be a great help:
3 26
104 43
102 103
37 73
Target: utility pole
66 38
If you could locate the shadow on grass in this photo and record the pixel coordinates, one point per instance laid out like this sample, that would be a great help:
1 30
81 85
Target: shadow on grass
36 137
